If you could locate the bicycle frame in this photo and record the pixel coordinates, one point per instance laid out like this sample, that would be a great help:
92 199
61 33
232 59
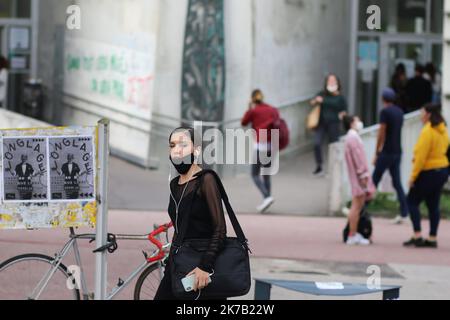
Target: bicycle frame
158 256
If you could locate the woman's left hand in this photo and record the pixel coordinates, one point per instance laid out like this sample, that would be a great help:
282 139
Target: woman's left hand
201 279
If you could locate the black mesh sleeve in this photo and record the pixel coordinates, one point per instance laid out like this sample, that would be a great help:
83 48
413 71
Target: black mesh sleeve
212 195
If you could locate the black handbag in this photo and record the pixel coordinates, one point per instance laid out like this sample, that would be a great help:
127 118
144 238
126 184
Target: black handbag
364 226
231 277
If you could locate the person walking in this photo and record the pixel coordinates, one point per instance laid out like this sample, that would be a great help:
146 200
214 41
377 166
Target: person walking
419 90
361 183
429 175
333 108
433 75
196 191
261 116
389 149
398 83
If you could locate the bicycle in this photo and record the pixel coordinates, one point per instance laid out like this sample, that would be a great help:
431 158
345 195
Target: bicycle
19 270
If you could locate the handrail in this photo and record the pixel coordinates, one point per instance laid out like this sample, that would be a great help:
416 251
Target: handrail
213 124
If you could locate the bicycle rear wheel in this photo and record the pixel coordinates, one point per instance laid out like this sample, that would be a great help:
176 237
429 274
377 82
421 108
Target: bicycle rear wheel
148 283
20 275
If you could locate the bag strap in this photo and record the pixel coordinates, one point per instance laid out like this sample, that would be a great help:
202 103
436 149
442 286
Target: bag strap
234 221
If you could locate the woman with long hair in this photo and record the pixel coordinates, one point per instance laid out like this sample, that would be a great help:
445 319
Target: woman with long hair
359 176
194 192
429 175
333 108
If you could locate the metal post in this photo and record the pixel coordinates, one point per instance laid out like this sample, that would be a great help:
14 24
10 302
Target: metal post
102 213
262 290
34 38
354 25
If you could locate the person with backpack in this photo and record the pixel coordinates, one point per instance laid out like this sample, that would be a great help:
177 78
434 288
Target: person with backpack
429 175
360 180
333 107
262 117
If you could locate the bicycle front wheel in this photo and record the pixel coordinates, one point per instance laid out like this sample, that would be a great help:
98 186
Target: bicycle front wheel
20 276
148 283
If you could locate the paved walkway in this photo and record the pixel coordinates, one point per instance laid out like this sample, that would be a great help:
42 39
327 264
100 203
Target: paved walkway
296 190
297 248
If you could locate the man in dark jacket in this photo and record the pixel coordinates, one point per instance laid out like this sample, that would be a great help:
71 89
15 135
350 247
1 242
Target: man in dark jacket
419 91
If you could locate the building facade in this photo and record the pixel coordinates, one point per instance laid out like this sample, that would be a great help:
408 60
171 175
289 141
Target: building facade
150 66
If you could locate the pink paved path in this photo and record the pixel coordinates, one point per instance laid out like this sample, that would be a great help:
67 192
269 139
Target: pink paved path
270 237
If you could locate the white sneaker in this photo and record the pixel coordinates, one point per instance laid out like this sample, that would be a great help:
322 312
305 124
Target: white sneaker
265 205
400 220
357 240
345 211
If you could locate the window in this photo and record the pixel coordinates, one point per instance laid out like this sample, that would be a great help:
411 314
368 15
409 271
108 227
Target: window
437 16
405 16
15 9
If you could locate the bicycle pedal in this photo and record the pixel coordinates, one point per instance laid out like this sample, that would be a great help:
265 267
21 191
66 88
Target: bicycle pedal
145 254
120 283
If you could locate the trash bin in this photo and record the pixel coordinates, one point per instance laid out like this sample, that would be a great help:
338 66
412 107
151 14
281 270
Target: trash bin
33 98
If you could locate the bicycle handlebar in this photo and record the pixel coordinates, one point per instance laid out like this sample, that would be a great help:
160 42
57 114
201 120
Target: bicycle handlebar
157 243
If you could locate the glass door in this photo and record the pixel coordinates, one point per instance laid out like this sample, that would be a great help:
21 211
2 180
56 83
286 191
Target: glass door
408 52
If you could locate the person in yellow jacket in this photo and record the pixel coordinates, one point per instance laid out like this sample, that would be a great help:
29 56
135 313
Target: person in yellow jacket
429 175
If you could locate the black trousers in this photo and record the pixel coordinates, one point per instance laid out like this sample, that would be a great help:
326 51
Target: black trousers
330 130
428 188
263 183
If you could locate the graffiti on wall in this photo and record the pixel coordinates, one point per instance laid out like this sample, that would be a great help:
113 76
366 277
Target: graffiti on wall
116 76
203 80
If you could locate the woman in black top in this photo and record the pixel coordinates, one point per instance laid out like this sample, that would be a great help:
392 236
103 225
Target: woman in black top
195 190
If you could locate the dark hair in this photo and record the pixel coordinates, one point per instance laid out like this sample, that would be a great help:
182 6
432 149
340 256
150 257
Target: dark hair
326 83
255 93
419 68
391 100
196 140
347 122
400 69
431 70
435 111
3 63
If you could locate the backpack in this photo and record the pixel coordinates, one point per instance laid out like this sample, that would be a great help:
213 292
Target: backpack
364 226
281 125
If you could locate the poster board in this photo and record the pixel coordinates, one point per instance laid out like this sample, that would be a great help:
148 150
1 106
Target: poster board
48 177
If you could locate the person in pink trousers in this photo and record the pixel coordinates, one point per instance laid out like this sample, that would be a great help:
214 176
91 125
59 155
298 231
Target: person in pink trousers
360 179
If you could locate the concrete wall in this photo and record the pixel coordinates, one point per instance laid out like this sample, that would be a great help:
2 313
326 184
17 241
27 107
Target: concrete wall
284 47
446 62
122 30
13 120
446 67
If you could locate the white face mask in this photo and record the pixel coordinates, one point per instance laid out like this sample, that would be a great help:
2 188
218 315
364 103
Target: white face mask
333 88
359 126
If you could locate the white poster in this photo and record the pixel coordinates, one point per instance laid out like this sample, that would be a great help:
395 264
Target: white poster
72 164
19 38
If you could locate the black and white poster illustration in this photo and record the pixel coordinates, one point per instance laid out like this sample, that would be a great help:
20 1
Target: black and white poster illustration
72 163
25 172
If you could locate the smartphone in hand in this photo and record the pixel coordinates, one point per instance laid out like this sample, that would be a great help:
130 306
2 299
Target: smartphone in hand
188 282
